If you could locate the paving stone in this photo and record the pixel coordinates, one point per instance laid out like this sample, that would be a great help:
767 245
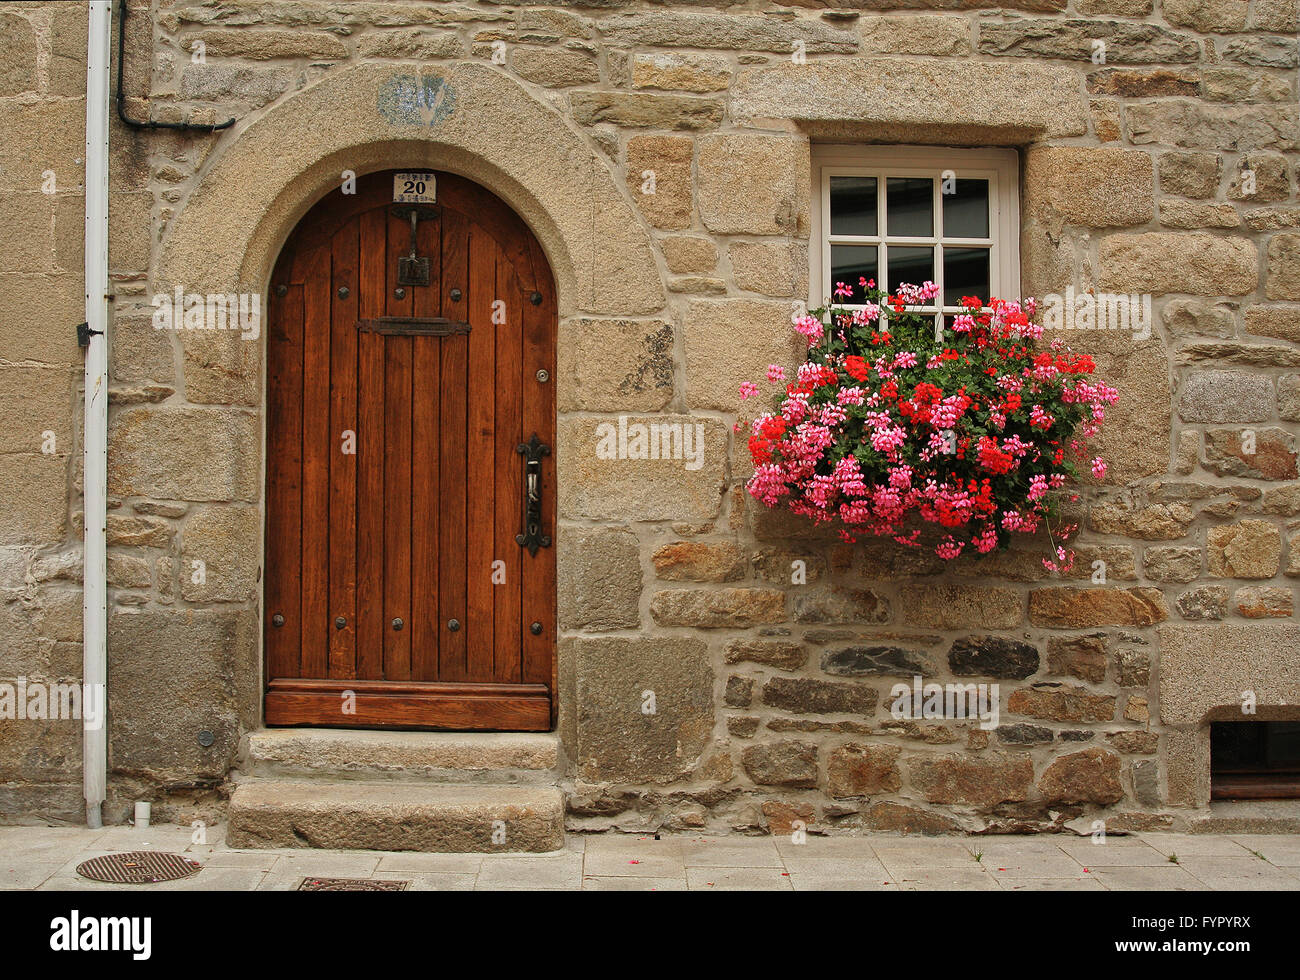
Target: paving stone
737 879
802 882
23 875
948 880
1167 878
900 856
615 884
430 882
547 872
1284 852
1114 853
1085 884
632 857
730 854
1007 863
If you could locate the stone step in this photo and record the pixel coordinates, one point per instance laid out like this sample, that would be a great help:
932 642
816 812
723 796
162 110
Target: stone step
499 758
395 816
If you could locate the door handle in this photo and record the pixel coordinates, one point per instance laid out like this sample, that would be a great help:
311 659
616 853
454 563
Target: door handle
532 537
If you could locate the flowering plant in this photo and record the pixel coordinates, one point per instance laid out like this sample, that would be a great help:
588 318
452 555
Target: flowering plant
886 422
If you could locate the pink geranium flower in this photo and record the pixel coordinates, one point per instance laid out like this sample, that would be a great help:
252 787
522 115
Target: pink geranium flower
885 424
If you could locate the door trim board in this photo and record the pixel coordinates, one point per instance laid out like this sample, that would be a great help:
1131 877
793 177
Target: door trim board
456 706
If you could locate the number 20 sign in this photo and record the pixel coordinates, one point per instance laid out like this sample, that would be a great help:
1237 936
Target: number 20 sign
414 188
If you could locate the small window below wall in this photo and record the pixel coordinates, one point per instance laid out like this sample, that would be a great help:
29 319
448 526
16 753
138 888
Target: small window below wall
896 214
1255 760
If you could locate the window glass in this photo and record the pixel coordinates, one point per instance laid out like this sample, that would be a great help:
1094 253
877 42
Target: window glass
965 273
910 264
849 263
909 207
966 210
853 206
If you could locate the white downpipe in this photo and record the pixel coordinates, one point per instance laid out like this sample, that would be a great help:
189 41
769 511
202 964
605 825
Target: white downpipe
95 460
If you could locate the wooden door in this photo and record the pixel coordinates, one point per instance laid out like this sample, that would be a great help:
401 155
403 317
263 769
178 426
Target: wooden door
397 591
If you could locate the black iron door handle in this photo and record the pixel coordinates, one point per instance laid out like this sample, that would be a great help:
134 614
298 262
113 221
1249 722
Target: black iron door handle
532 537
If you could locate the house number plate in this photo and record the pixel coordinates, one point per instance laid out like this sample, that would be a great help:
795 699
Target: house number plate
417 187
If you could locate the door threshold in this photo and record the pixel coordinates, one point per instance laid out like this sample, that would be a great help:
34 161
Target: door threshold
409 705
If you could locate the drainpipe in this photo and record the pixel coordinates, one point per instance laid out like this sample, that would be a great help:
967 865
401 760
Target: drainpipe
95 459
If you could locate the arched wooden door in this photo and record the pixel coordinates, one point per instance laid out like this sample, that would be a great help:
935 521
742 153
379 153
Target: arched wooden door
398 592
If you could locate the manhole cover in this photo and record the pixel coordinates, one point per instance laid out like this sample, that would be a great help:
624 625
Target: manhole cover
351 885
138 867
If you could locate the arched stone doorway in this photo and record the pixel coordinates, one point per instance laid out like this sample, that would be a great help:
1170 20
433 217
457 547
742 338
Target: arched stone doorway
409 573
262 179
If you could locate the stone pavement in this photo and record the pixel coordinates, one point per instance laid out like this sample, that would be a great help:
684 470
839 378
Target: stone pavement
46 858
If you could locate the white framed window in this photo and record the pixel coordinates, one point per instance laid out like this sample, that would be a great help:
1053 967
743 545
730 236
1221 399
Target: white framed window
911 213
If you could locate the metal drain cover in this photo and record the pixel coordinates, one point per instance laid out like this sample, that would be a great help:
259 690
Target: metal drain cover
138 867
352 885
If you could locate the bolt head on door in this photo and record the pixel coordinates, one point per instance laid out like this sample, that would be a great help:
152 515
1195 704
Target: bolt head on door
398 624
453 625
277 620
340 622
536 629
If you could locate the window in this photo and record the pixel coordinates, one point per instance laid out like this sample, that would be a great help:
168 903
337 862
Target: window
908 214
1255 760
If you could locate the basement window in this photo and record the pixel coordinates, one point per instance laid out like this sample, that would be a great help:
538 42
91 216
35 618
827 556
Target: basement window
899 214
1255 760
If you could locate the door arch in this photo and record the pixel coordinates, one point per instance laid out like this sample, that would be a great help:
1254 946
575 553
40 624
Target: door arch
402 588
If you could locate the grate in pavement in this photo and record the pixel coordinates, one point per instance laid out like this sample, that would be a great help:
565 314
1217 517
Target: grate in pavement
352 885
137 867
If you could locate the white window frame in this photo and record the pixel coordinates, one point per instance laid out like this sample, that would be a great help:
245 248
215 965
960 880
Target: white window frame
1000 167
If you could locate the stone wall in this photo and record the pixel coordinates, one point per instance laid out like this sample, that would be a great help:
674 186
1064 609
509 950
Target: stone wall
770 698
42 146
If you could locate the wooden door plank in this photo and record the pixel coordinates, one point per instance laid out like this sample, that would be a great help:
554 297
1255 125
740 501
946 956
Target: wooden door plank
426 385
509 474
482 451
397 507
336 209
399 243
452 470
283 644
538 649
343 458
372 289
397 472
317 445
426 512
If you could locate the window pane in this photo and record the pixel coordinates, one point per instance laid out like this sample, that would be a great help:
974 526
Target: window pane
965 273
911 264
910 207
849 263
853 205
966 212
